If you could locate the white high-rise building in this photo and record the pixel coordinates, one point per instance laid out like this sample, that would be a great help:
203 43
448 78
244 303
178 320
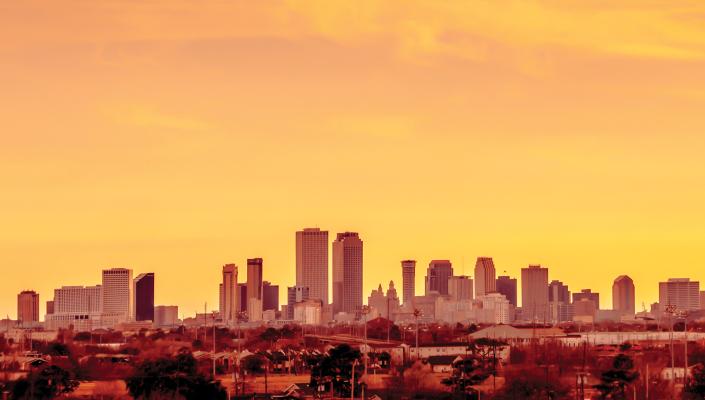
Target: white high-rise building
118 294
682 293
495 309
312 262
76 306
229 313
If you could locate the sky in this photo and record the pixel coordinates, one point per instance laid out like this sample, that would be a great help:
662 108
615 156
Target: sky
173 137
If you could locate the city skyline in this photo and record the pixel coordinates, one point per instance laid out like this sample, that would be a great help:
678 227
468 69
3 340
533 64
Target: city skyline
255 270
437 130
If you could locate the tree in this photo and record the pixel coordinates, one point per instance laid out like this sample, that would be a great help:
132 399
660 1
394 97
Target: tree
46 383
467 373
695 388
532 384
173 378
336 368
614 381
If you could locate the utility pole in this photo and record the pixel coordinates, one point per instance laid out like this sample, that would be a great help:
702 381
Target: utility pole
417 313
670 310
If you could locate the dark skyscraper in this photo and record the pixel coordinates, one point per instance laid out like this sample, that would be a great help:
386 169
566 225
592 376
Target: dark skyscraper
270 296
242 296
508 287
144 297
408 272
437 276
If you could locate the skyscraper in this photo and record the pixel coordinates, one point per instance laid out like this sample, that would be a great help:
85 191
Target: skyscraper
534 293
347 273
230 300
144 297
118 295
254 289
408 273
27 307
508 287
460 288
681 293
437 276
587 294
623 295
484 276
312 262
559 302
270 296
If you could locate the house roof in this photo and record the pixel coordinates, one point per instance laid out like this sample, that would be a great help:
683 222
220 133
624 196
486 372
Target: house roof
442 360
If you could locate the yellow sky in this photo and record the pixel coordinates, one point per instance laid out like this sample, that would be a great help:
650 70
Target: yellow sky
175 136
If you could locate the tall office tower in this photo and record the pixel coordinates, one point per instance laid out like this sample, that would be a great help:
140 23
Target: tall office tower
27 307
295 294
587 294
559 302
460 288
534 292
254 289
437 276
221 299
241 293
347 273
270 296
682 293
702 299
623 295
508 287
312 262
229 312
50 307
484 276
144 297
408 273
118 294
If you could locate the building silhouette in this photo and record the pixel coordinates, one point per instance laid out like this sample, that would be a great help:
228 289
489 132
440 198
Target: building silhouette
312 262
144 297
587 294
460 288
229 313
254 289
118 300
559 302
623 295
27 307
534 293
347 273
485 281
437 275
682 293
508 287
270 296
408 274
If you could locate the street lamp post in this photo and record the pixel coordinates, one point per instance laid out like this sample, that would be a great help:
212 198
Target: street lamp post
365 311
417 313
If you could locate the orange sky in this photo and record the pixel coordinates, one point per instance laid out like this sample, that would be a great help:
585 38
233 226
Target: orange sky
174 137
